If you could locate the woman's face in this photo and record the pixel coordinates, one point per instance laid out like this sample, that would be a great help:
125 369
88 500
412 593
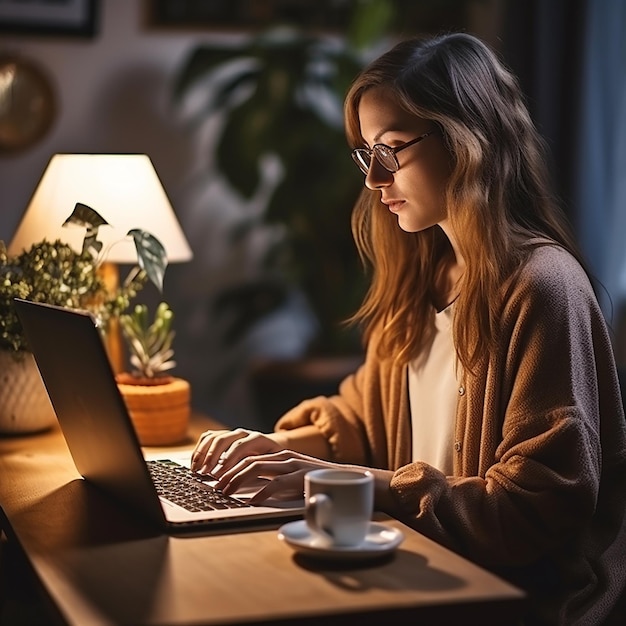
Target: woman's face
416 192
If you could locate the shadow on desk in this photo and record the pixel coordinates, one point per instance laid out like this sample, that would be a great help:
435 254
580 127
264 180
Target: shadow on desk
21 601
78 514
362 577
78 523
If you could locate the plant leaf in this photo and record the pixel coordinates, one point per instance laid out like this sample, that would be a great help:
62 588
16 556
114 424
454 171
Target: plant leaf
85 216
201 63
151 255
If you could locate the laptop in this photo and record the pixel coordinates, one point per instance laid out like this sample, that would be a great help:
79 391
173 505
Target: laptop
75 368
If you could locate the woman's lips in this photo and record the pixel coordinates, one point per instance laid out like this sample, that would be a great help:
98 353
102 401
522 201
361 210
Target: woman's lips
394 205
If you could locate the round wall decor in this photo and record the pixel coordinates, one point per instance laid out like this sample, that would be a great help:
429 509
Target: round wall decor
27 103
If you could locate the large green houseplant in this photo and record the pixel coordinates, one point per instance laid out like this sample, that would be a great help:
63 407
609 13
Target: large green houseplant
54 273
279 96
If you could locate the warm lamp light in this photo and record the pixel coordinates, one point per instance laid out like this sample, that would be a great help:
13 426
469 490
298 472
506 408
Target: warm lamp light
123 188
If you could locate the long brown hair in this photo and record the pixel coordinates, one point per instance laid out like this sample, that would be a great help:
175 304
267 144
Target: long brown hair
498 195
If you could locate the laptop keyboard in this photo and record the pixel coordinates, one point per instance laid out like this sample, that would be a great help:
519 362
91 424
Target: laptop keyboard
180 485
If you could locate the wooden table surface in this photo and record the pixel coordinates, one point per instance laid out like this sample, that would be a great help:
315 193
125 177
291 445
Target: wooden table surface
97 565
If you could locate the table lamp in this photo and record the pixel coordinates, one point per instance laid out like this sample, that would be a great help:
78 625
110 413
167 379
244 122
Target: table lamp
125 190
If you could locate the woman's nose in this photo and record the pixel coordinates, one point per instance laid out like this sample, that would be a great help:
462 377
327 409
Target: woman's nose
377 176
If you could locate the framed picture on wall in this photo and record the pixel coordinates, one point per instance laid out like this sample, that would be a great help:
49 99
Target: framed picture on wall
75 18
321 15
245 14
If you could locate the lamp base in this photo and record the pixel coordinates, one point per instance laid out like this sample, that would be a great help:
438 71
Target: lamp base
110 275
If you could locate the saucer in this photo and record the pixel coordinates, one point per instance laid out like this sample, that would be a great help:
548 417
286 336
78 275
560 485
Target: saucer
380 540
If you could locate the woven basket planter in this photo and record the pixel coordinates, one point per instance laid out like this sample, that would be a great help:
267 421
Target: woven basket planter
159 408
24 403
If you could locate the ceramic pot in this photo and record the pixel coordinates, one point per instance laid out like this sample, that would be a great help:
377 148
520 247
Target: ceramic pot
159 408
24 403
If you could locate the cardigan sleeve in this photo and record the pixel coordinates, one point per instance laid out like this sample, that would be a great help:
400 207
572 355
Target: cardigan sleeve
366 423
542 426
338 420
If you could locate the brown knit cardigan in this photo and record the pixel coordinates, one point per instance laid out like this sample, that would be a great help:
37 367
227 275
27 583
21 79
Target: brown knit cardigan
539 486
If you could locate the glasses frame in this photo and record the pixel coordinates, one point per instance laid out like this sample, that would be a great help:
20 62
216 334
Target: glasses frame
374 152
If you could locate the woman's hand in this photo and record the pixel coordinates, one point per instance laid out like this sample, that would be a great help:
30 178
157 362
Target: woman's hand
281 473
219 450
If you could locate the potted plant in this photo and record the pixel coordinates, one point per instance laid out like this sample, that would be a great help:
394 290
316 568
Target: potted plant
158 403
279 94
54 273
48 272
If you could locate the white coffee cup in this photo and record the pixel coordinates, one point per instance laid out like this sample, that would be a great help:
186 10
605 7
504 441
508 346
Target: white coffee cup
339 505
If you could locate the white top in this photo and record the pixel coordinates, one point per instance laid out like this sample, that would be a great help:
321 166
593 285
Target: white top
433 396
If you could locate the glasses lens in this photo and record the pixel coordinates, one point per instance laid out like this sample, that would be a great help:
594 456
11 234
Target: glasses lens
362 159
386 157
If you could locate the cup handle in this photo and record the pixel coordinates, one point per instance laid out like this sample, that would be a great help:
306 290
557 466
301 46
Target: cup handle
317 509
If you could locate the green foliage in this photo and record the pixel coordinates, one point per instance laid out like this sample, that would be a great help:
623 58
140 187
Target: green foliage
151 257
281 94
150 343
49 272
54 273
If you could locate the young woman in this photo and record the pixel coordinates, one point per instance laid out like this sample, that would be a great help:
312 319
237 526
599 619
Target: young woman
488 406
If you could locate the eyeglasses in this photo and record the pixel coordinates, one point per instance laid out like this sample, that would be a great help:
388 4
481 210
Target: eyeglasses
384 154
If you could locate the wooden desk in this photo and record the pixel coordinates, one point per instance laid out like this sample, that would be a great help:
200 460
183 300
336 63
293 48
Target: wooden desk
99 566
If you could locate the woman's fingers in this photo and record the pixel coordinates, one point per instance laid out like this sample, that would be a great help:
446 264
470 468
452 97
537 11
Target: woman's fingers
211 446
281 487
219 451
250 469
239 458
284 469
198 455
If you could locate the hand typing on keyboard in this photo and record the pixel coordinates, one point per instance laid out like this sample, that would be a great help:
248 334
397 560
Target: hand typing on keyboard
242 459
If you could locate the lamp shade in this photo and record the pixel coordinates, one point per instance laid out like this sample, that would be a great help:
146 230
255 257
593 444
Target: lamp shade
123 188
